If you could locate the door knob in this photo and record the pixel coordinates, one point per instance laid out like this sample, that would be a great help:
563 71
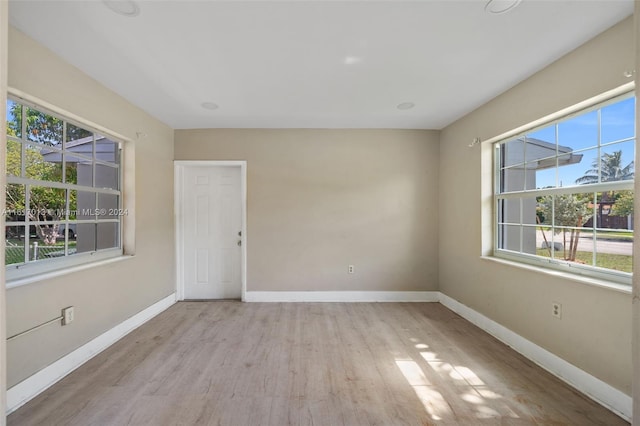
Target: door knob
239 243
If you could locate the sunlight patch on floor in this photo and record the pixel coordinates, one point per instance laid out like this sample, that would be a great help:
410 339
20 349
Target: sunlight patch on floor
473 390
468 375
412 372
431 399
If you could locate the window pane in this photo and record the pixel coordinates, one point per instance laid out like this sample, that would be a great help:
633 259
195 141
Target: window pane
542 178
108 235
512 152
536 150
545 242
618 121
616 162
44 128
622 209
509 211
572 210
79 140
15 202
572 217
509 237
43 164
512 179
85 237
107 150
546 134
106 177
614 250
107 206
14 118
529 239
578 133
529 211
50 238
14 158
544 208
47 204
578 168
85 204
14 248
49 251
72 229
577 245
79 170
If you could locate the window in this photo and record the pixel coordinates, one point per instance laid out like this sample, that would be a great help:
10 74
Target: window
564 193
63 200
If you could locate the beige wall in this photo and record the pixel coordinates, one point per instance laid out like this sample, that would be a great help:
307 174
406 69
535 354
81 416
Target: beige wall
319 200
4 34
595 330
103 296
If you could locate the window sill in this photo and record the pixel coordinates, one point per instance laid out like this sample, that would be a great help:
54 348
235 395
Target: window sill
622 288
69 270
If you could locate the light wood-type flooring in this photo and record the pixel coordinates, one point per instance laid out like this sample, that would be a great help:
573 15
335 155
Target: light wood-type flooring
232 363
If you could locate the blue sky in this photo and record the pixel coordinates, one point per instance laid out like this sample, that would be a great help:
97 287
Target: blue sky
581 134
9 104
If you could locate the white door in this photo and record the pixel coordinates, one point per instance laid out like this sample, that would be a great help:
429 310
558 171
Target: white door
211 229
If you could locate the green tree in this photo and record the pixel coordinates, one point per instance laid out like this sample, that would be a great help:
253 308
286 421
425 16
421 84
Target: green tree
568 211
623 205
45 203
41 127
610 169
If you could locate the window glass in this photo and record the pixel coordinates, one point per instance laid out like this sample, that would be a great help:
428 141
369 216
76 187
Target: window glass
579 133
43 164
14 158
14 118
106 176
60 176
542 213
43 128
618 121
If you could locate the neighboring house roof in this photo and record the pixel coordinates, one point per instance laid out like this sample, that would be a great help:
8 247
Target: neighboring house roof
105 150
541 154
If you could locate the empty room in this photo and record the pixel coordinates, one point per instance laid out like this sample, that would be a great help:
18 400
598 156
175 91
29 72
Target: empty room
319 212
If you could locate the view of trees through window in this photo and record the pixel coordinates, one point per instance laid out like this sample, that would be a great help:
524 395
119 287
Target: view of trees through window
565 191
63 187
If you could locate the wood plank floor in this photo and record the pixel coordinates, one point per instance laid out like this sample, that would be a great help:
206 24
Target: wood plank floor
232 363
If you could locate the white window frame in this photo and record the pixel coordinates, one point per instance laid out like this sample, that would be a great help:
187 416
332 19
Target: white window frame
29 271
554 263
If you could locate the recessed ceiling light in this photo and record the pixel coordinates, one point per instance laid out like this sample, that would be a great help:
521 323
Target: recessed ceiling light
209 105
406 105
501 6
352 60
123 7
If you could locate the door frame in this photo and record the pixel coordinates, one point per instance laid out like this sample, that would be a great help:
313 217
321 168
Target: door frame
179 167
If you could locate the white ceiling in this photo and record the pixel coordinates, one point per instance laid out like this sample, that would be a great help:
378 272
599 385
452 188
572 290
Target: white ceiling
315 64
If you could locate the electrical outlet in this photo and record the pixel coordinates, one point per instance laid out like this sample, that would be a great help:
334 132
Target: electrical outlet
67 315
556 309
351 269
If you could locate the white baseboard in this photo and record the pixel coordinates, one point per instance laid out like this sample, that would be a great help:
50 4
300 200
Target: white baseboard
342 296
601 392
31 387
